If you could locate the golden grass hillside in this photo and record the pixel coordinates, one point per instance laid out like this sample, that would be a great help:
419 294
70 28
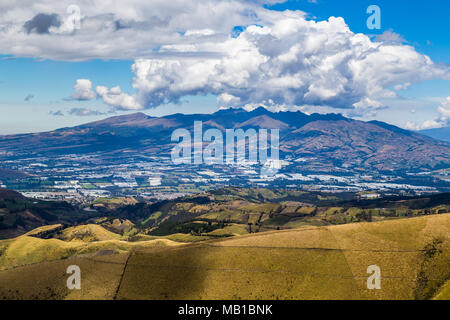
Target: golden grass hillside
88 233
305 263
75 241
444 292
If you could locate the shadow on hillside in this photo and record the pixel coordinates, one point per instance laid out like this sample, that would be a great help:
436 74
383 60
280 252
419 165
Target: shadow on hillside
164 273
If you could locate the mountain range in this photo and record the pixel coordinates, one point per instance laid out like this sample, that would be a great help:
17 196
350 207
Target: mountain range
438 133
329 140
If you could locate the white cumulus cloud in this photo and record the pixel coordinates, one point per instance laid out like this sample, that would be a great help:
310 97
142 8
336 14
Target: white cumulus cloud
118 99
83 90
116 29
188 47
291 61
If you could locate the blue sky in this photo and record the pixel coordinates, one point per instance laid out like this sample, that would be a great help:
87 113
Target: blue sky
49 81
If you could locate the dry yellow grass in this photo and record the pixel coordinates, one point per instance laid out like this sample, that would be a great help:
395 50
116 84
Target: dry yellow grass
87 233
100 278
444 292
304 263
27 250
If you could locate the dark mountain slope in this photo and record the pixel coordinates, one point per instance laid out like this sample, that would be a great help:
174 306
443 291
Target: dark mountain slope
438 133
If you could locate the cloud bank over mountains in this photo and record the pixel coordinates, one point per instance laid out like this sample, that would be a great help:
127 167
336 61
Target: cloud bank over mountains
241 52
288 61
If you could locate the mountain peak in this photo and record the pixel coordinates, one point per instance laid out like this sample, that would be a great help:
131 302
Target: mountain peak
260 111
134 116
263 122
121 119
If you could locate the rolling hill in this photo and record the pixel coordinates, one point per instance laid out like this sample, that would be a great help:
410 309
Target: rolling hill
303 263
214 214
235 244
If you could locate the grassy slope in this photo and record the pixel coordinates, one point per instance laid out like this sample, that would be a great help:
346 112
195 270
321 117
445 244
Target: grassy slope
305 263
80 240
100 279
87 233
444 293
308 263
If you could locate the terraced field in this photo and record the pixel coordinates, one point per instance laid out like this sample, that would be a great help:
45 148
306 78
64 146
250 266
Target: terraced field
304 263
